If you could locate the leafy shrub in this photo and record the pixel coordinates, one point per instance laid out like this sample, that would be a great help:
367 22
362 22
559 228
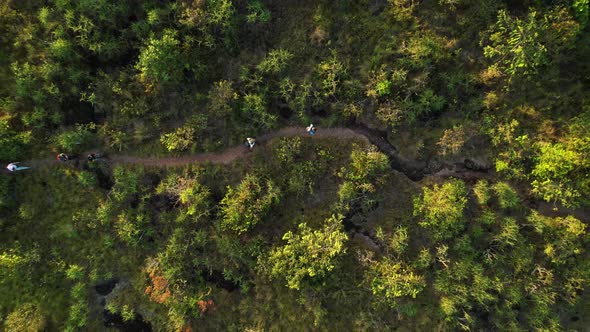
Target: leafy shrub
79 310
441 208
558 174
452 141
127 183
221 98
27 317
77 139
425 49
308 254
288 149
508 234
75 272
257 12
14 144
130 225
254 108
361 177
517 44
379 84
563 237
330 71
87 179
179 140
522 46
581 9
245 206
507 197
275 61
392 280
301 178
162 60
482 192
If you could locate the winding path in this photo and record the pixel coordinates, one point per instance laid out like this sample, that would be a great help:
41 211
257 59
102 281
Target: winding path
415 170
233 153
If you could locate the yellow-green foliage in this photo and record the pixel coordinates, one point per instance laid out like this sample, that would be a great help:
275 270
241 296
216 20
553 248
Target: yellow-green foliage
247 205
26 318
361 177
392 280
179 140
161 61
482 192
564 237
309 254
441 208
561 172
507 197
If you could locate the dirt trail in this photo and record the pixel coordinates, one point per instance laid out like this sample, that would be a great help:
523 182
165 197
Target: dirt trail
415 170
224 157
231 154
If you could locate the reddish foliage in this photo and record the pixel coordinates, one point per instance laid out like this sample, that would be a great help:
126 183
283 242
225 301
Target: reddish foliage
158 290
206 306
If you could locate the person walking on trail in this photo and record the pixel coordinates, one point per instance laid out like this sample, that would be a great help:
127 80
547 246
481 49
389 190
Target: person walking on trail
311 129
63 157
13 167
95 157
250 142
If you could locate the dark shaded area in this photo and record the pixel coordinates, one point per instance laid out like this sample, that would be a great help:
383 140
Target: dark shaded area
416 170
106 287
412 169
216 277
116 321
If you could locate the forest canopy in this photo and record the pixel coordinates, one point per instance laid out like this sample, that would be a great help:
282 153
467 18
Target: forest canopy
441 183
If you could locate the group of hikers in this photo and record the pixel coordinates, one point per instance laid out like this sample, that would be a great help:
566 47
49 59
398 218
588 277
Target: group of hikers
14 167
90 157
250 142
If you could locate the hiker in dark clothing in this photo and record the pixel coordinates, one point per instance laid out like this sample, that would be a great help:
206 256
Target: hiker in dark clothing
63 157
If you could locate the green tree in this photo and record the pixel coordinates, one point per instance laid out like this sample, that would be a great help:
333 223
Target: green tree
330 72
308 254
391 280
517 44
257 12
162 59
244 207
559 174
564 237
507 197
254 108
189 192
221 99
75 140
521 46
213 19
27 317
14 144
275 61
482 192
581 9
441 208
179 140
365 171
